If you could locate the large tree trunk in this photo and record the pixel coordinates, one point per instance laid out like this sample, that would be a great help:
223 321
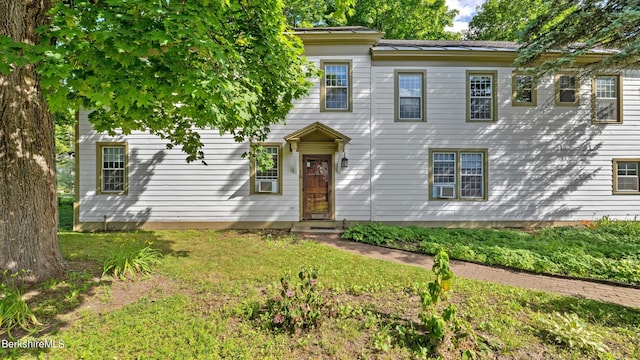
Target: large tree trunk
28 202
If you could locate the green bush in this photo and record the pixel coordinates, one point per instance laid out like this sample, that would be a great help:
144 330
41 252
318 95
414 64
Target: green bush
607 250
131 258
570 331
14 311
298 304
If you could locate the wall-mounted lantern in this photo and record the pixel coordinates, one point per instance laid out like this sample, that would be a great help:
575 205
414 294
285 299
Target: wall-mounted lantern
344 163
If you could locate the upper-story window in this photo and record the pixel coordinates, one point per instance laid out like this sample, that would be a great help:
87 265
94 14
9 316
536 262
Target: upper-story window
567 88
335 87
524 90
112 171
481 96
607 96
410 96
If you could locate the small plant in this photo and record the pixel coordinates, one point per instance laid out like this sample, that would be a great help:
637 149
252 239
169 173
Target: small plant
570 330
131 258
298 304
435 323
14 310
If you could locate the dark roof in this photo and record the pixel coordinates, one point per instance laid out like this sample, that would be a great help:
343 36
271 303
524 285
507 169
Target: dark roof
336 29
385 44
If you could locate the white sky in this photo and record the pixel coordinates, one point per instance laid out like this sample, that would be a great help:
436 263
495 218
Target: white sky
466 10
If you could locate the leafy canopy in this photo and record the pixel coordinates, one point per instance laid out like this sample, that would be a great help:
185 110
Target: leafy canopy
406 19
577 27
398 19
504 20
169 67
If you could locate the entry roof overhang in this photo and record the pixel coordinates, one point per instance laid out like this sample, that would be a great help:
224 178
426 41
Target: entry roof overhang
317 133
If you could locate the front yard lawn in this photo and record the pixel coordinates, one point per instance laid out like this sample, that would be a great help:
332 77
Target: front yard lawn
604 249
208 297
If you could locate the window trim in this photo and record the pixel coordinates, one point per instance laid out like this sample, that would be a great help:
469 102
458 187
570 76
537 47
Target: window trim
557 88
594 105
99 163
423 102
323 105
494 95
458 151
252 173
514 90
614 163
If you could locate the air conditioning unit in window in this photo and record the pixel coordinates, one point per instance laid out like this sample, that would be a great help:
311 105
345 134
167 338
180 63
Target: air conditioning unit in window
446 192
266 186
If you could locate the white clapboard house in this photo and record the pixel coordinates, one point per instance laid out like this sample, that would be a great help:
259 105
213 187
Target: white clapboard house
435 133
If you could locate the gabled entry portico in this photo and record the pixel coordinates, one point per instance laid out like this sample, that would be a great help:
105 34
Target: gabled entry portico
316 146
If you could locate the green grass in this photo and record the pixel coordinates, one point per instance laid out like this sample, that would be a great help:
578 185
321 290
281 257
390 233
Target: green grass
65 213
608 250
207 295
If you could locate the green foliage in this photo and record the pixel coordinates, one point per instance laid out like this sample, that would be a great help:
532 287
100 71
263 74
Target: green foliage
298 305
310 13
131 258
576 27
169 67
14 310
65 213
437 323
569 330
606 250
406 19
504 20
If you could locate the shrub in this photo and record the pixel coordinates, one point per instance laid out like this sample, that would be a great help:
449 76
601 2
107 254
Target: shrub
298 304
131 258
14 311
569 330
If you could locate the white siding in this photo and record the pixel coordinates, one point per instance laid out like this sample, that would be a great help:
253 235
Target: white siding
546 163
164 188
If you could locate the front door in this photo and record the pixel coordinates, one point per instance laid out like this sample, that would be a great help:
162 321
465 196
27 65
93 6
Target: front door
317 186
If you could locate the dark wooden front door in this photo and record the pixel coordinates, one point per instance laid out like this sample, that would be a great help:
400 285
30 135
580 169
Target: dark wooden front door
317 185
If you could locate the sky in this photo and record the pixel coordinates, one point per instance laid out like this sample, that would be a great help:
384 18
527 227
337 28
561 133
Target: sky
466 10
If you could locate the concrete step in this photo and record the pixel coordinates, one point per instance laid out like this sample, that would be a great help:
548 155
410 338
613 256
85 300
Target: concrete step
320 227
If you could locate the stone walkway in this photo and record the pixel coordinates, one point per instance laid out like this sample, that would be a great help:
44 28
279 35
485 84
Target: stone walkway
591 290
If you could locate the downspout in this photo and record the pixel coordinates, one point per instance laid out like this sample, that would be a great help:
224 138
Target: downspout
371 89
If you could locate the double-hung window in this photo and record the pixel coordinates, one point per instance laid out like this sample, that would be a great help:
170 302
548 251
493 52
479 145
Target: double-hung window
268 181
410 99
626 176
458 174
524 90
112 168
567 89
606 97
481 96
335 87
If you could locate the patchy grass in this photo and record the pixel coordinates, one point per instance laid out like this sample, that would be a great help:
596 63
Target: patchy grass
65 213
605 249
208 295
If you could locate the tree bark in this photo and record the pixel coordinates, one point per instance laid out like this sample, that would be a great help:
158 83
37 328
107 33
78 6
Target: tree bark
28 201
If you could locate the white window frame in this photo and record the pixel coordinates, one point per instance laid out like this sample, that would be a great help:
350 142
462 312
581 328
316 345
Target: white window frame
492 97
616 100
104 175
325 87
559 89
458 174
273 175
517 90
617 176
399 74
